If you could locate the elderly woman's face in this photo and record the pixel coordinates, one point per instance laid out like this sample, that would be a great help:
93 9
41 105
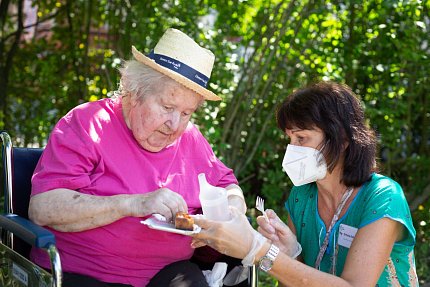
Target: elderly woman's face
162 117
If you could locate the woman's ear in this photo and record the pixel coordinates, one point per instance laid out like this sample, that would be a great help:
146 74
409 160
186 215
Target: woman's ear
128 101
132 99
345 145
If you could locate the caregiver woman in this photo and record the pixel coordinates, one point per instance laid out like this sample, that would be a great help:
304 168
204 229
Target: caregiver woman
347 225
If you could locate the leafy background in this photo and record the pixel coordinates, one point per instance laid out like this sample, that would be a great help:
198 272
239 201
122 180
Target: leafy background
57 54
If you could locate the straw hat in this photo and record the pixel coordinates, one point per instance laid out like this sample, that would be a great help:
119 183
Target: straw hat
177 56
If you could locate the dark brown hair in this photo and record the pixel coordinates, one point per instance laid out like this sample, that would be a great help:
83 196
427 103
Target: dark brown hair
337 111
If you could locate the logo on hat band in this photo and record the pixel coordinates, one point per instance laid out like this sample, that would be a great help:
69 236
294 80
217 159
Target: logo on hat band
180 68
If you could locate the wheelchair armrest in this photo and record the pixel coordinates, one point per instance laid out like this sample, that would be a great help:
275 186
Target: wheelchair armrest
37 236
28 231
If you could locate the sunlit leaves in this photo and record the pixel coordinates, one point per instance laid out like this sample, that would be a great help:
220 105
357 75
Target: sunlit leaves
264 50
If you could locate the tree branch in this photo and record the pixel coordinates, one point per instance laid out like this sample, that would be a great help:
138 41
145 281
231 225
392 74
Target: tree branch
31 25
420 199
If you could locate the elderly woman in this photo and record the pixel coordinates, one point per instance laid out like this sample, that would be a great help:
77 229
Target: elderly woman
353 225
112 162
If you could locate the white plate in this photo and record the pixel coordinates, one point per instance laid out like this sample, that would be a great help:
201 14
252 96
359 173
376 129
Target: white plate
153 223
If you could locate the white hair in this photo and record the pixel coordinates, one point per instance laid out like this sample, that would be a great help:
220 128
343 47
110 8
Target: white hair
141 80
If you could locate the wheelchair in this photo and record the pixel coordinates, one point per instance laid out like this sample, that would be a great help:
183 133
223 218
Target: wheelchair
19 235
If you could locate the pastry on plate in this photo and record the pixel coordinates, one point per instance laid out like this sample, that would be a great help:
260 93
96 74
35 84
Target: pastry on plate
184 221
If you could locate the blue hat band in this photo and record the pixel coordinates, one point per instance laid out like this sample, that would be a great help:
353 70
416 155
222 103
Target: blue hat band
180 68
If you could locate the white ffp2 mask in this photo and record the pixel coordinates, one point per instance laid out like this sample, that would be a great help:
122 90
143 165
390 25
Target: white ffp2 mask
304 164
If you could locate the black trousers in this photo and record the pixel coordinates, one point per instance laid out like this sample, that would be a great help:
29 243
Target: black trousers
178 274
75 280
186 273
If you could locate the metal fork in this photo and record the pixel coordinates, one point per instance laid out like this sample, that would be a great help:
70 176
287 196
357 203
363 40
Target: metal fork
259 204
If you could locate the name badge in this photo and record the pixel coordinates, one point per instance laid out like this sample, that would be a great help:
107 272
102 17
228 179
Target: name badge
346 235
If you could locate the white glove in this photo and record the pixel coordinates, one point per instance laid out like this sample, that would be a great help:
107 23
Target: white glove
279 233
236 237
257 242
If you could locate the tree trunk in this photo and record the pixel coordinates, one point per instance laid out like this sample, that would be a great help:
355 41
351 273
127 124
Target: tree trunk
7 58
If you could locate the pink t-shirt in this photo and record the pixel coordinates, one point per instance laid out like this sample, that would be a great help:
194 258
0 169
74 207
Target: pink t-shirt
91 150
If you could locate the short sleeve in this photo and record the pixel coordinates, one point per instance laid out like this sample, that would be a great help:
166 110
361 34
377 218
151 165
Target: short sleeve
67 160
218 174
387 200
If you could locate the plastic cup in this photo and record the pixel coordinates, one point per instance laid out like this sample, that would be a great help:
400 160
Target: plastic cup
215 205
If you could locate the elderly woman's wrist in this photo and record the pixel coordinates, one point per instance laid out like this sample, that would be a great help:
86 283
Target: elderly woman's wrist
127 205
236 198
237 202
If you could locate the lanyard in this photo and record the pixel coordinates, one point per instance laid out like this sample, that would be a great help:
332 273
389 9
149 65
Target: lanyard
335 218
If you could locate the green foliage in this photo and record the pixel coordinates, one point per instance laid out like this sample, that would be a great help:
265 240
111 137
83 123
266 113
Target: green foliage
264 50
422 251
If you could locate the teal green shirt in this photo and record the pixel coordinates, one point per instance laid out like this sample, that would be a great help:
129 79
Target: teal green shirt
378 198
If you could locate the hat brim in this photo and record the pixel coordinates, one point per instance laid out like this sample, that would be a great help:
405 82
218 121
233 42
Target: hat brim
208 95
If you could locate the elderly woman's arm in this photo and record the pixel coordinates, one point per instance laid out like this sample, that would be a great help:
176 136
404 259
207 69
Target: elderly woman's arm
236 198
71 211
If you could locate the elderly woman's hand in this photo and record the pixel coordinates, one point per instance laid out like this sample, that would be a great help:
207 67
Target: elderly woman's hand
279 233
235 197
162 201
233 237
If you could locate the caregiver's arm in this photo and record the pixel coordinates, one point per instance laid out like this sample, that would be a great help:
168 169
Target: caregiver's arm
365 262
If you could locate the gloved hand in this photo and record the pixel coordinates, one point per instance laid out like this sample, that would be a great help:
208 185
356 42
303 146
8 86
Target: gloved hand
235 237
258 241
279 233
